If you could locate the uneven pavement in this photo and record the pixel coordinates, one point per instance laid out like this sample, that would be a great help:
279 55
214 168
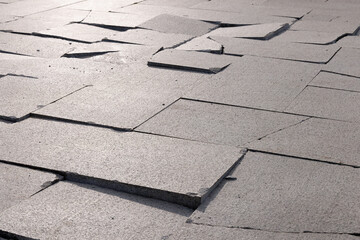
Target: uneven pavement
166 119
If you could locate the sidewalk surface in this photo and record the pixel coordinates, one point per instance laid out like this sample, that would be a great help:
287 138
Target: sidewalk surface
168 119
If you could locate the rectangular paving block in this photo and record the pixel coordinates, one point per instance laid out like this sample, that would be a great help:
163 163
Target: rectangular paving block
20 183
257 82
216 123
336 81
95 5
79 211
192 61
308 37
326 140
345 62
175 170
323 26
284 194
201 44
327 103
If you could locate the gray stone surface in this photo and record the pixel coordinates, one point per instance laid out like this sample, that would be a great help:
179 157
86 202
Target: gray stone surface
78 211
349 41
187 60
260 31
257 82
284 194
179 171
173 3
217 123
308 37
19 183
345 62
103 6
282 50
336 81
327 103
330 13
325 140
323 26
201 44
179 25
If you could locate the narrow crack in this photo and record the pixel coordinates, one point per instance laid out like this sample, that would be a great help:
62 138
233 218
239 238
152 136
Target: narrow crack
86 54
333 88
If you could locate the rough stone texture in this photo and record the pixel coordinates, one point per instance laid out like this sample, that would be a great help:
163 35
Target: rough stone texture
78 211
327 103
308 37
179 25
217 123
345 62
202 44
282 50
18 184
322 26
325 140
164 168
257 82
194 61
284 194
260 31
336 81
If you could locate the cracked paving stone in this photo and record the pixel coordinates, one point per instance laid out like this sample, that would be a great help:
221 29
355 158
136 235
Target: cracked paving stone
349 42
215 123
201 44
137 95
346 61
180 25
258 31
175 170
336 81
194 231
322 26
257 82
327 103
20 183
172 3
329 15
103 6
281 50
79 211
284 194
313 4
192 61
320 139
308 37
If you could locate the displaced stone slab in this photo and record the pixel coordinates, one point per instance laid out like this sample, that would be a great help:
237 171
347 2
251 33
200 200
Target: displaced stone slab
19 183
282 50
284 194
180 171
259 31
193 61
215 123
95 5
330 13
345 62
308 37
327 103
349 42
336 81
202 44
257 82
323 26
179 25
78 211
320 139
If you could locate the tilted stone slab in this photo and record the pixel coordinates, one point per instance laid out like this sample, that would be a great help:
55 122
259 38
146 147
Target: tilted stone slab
349 41
79 211
284 194
282 50
336 81
202 44
308 37
217 123
257 82
326 140
179 171
323 26
345 62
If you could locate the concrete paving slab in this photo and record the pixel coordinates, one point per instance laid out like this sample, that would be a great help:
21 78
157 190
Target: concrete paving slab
78 211
349 42
22 95
282 50
308 37
175 170
322 26
201 44
257 82
193 61
345 62
180 25
320 139
172 3
328 13
95 5
327 103
19 183
259 31
312 4
336 81
216 123
194 231
284 194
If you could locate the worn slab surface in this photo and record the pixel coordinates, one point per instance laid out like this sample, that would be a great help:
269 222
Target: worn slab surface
217 123
345 62
325 140
323 26
312 37
19 183
201 44
350 41
283 194
174 170
336 81
257 82
102 6
78 211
